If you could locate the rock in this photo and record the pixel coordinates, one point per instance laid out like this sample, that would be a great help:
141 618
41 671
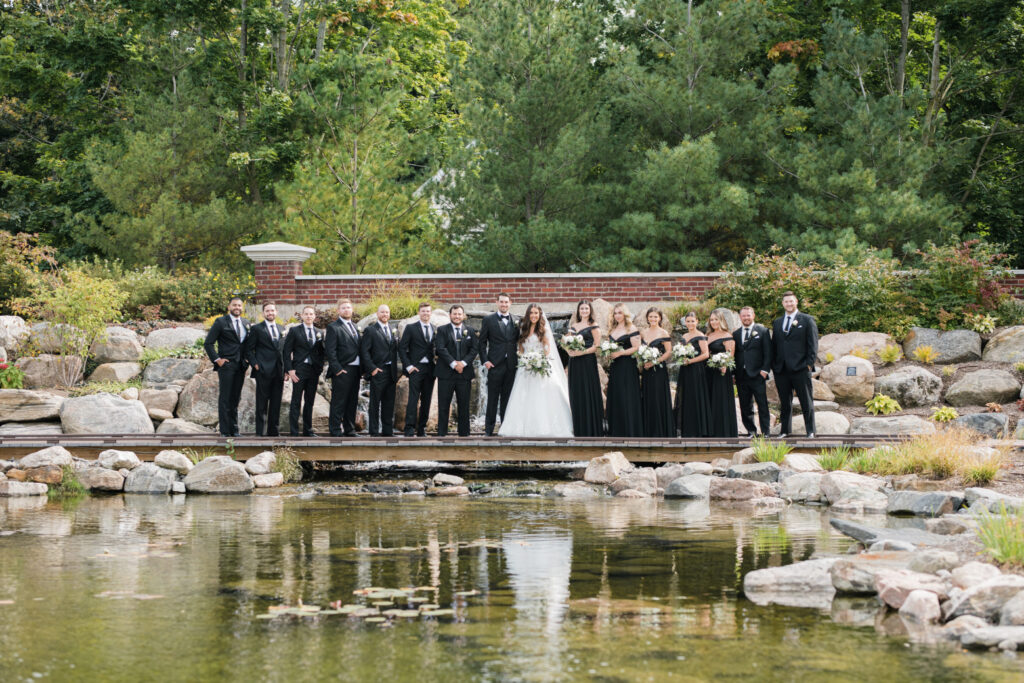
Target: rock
983 386
53 455
922 607
56 338
178 487
839 345
268 480
321 412
758 471
803 584
666 474
606 468
198 402
993 425
954 346
16 489
719 466
119 345
1012 611
47 370
174 338
104 414
13 331
890 545
6 465
804 487
947 526
954 629
825 423
442 479
695 468
911 386
768 502
641 479
116 372
159 399
744 457
1005 346
130 394
924 503
974 494
819 407
23 405
692 486
30 428
158 415
218 474
892 425
987 598
856 574
933 560
16 474
100 479
448 491
264 463
869 535
149 478
1004 637
167 370
173 460
851 389
576 490
47 474
894 585
802 462
861 501
178 426
632 493
835 483
974 574
112 459
738 489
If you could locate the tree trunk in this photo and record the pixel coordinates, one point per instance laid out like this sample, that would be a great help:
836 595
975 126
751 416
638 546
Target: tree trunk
901 63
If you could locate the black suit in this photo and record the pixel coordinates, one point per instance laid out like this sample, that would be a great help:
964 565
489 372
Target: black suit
793 360
341 345
753 358
264 355
498 345
449 349
412 349
378 350
222 341
307 360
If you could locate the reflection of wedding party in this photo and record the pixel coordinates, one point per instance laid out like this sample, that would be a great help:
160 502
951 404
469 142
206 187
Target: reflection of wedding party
530 392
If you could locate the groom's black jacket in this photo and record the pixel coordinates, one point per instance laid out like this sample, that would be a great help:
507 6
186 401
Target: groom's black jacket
449 350
499 341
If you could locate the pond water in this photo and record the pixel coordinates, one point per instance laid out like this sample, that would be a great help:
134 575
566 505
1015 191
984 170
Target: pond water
129 588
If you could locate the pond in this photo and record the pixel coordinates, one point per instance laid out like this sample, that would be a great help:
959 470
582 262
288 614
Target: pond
128 588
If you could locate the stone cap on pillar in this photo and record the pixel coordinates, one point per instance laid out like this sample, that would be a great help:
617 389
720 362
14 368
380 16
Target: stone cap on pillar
278 251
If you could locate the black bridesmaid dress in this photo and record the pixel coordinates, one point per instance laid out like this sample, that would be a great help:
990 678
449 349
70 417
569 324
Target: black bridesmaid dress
721 396
693 409
656 397
624 416
585 390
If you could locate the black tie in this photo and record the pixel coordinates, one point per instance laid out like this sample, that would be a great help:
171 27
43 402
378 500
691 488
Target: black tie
273 332
426 332
746 334
309 336
238 329
789 321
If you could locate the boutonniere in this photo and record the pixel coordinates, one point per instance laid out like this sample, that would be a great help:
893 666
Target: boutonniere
319 336
465 333
246 327
796 324
754 336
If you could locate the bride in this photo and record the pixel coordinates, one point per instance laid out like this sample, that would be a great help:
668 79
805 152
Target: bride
539 404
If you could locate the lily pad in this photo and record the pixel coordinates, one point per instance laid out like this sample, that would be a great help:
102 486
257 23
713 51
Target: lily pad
375 620
407 613
467 594
365 612
417 599
438 613
383 603
429 606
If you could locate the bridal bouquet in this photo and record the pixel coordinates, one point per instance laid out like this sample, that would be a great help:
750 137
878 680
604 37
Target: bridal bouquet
683 352
535 362
573 342
647 354
722 360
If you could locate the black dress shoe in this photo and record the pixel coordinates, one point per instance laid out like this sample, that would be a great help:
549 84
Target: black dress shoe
409 434
372 434
350 434
293 433
311 434
421 433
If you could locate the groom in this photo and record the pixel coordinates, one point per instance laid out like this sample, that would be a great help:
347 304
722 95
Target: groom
456 349
499 336
795 345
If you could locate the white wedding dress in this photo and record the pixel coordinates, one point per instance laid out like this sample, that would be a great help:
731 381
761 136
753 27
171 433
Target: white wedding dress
539 404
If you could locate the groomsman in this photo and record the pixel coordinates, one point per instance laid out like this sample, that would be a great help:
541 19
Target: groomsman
378 352
416 349
225 346
303 361
753 361
341 344
499 338
263 351
456 347
795 340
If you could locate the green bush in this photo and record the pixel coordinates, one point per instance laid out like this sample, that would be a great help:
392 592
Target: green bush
762 278
880 404
10 376
403 300
959 279
20 261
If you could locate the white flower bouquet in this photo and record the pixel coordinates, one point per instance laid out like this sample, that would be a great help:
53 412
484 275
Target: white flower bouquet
608 347
647 354
682 352
722 360
535 362
573 342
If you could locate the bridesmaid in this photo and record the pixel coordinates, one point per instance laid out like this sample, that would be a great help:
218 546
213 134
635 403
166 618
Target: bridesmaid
692 408
720 392
584 382
656 398
624 418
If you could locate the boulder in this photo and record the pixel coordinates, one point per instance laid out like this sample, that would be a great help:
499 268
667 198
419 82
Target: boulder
894 585
744 456
994 425
47 474
902 537
112 459
166 370
839 345
949 525
953 346
924 503
758 471
448 491
17 489
819 391
1006 346
179 426
973 574
983 386
268 480
130 394
264 463
30 428
987 499
218 474
911 386
803 487
3 355
321 412
1012 612
850 389
115 372
47 370
987 598
149 478
695 468
835 483
173 460
54 455
642 479
23 405
158 415
668 473
606 468
198 402
100 479
719 466
856 574
576 490
13 331
104 413
691 486
442 479
860 502
1003 637
174 338
803 584
159 399
921 606
738 490
56 338
119 345
933 560
178 487
891 425
819 407
632 494
802 462
826 422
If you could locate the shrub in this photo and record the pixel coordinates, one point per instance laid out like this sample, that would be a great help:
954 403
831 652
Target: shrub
944 414
761 279
980 472
949 371
674 315
890 354
957 279
770 451
403 300
287 463
69 486
860 353
11 377
925 354
834 458
868 295
981 323
1019 367
21 259
1002 535
993 407
829 357
881 404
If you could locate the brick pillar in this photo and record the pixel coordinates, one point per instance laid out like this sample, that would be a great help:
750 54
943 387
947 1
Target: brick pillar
277 266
